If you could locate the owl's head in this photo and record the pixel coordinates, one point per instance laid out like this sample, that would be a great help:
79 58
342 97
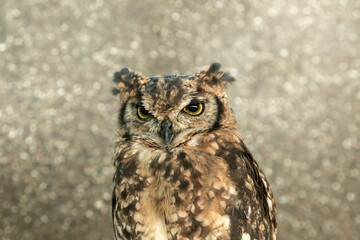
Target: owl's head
168 111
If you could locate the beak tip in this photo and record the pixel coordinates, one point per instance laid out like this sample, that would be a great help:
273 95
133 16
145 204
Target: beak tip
167 133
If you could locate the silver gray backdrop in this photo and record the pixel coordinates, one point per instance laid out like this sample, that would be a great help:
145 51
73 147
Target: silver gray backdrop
296 99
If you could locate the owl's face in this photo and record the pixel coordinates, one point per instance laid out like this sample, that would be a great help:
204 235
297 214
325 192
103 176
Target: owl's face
166 112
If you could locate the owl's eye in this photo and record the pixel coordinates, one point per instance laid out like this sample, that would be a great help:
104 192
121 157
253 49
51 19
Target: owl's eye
194 109
142 113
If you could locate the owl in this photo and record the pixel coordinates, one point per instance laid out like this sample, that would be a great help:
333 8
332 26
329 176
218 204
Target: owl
182 170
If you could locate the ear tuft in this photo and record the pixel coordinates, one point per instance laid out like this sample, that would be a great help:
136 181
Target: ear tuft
128 82
123 74
115 91
125 71
227 78
214 68
212 75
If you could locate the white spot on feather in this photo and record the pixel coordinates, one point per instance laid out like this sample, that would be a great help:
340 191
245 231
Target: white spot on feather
199 218
232 190
138 217
194 141
223 221
182 214
269 203
173 218
265 184
217 185
119 229
245 236
139 228
214 145
211 194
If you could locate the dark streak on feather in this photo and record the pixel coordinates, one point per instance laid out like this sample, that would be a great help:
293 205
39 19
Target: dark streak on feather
220 112
121 121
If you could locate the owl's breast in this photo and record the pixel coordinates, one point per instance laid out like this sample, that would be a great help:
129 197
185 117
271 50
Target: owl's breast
185 191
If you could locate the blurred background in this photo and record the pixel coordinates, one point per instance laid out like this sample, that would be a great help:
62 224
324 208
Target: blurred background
296 99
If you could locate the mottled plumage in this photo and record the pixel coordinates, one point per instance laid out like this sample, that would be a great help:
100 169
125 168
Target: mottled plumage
182 168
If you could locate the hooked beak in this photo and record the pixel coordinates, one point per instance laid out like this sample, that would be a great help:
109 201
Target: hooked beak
167 133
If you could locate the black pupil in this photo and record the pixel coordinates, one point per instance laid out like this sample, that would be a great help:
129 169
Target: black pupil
193 107
143 111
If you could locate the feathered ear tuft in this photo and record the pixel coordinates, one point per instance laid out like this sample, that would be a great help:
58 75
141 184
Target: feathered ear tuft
213 69
115 91
123 74
227 78
127 81
213 76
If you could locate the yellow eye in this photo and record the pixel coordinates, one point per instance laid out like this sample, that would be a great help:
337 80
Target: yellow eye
142 113
194 109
